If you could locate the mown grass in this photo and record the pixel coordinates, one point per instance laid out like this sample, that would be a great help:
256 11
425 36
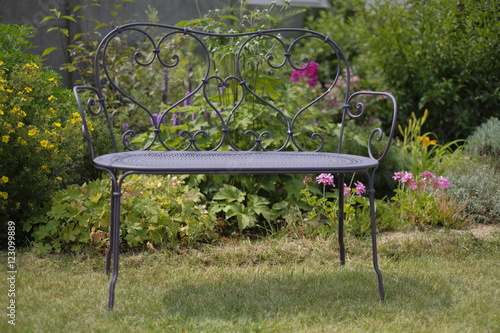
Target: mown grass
435 282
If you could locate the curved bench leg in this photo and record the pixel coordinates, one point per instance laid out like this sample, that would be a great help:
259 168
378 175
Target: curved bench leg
109 253
340 217
371 195
114 242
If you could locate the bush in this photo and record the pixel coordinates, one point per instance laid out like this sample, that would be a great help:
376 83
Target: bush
435 55
475 184
155 211
485 141
41 148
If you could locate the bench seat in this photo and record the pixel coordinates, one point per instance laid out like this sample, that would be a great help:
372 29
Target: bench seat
234 162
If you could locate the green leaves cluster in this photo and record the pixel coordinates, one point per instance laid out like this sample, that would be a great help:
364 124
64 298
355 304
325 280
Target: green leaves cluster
155 211
246 208
436 55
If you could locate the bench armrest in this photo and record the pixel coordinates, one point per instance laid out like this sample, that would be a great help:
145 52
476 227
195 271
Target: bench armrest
376 133
94 106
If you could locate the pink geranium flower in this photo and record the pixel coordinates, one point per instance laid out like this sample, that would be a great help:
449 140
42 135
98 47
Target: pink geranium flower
360 188
325 179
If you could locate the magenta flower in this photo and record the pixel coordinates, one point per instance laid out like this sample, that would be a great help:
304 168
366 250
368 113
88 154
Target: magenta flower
441 182
325 179
309 71
406 177
427 175
347 190
360 188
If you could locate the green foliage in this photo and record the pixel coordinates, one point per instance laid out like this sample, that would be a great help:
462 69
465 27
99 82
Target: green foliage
447 64
435 55
41 148
422 201
424 151
475 185
79 55
156 211
245 208
485 141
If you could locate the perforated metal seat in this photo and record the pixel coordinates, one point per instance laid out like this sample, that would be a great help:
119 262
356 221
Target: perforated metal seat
231 162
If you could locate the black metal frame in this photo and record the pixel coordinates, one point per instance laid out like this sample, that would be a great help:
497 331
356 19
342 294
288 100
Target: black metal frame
292 157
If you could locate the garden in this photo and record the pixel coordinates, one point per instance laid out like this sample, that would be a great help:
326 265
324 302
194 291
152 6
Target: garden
258 253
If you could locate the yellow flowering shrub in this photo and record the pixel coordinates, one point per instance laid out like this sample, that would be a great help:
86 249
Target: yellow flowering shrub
41 147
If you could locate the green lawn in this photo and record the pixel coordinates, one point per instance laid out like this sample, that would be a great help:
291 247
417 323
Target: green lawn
435 282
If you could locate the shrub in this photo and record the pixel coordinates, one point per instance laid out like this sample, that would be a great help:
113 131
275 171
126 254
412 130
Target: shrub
155 211
485 141
475 184
436 55
41 147
421 200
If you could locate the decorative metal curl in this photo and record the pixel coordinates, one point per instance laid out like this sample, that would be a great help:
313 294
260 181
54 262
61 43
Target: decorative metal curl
257 139
359 106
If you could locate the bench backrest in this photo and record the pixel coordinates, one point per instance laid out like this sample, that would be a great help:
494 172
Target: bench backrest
164 87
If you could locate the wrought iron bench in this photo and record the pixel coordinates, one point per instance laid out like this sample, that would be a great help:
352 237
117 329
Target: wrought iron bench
179 101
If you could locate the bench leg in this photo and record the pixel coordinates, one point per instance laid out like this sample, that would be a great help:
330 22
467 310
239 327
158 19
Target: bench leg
114 250
371 194
109 253
341 217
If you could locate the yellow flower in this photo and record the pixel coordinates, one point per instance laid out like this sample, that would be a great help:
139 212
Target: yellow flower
1 63
20 124
426 141
5 179
44 167
5 138
58 178
52 110
5 195
21 141
44 143
51 98
32 132
57 124
74 120
1 113
28 89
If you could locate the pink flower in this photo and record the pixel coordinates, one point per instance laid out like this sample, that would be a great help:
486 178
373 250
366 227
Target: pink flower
325 179
441 182
310 71
406 177
360 188
347 190
427 175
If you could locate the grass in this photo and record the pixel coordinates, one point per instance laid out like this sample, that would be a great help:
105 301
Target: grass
435 282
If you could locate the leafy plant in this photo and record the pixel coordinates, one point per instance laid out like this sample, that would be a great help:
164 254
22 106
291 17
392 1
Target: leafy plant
421 201
41 148
485 141
446 62
156 211
475 185
425 153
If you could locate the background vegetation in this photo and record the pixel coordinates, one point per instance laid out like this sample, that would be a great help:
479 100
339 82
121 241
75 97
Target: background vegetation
442 72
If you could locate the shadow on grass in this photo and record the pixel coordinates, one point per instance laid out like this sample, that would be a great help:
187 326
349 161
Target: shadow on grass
341 295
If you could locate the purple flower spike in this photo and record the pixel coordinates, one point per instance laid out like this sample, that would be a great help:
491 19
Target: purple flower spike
156 119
